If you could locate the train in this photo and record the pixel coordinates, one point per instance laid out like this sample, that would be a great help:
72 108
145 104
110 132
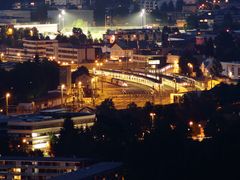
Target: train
119 82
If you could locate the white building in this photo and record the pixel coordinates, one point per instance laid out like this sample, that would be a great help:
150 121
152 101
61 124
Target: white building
30 49
231 69
42 28
34 130
149 5
64 2
71 55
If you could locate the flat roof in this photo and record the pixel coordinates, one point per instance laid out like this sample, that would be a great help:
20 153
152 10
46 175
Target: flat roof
15 158
90 171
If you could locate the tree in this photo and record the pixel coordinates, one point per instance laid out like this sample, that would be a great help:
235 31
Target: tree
89 37
192 22
106 106
226 48
79 23
227 21
189 64
30 80
216 68
209 48
67 139
164 7
132 106
79 72
179 5
171 6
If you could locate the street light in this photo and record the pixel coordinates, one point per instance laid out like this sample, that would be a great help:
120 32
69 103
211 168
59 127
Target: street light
190 65
175 84
63 12
59 20
7 97
19 56
93 82
62 88
143 17
80 91
152 115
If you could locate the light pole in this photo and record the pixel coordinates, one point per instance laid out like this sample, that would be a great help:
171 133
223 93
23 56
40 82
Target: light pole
175 85
63 12
7 96
80 92
62 88
143 17
93 90
211 81
59 20
152 115
99 65
19 56
2 55
190 65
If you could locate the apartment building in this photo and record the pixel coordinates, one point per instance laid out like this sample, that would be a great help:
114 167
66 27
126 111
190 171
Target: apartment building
30 49
133 35
26 168
149 5
64 2
71 55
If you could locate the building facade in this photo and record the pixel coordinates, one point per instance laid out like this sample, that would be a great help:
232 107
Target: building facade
26 168
117 52
33 131
30 49
71 55
231 69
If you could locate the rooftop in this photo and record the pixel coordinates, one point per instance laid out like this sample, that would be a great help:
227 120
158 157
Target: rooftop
13 158
91 171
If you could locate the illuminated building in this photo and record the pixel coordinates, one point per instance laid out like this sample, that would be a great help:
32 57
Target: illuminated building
68 54
104 170
231 69
19 168
34 130
30 49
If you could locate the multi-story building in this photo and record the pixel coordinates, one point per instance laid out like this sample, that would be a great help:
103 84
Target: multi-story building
64 2
133 35
231 69
17 168
149 5
30 49
34 130
231 13
15 16
53 50
104 170
71 55
119 51
126 49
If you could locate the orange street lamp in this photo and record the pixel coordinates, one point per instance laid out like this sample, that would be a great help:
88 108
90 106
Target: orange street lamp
7 97
62 88
190 123
152 115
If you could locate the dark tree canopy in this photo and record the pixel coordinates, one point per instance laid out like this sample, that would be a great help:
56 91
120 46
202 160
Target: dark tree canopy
30 80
